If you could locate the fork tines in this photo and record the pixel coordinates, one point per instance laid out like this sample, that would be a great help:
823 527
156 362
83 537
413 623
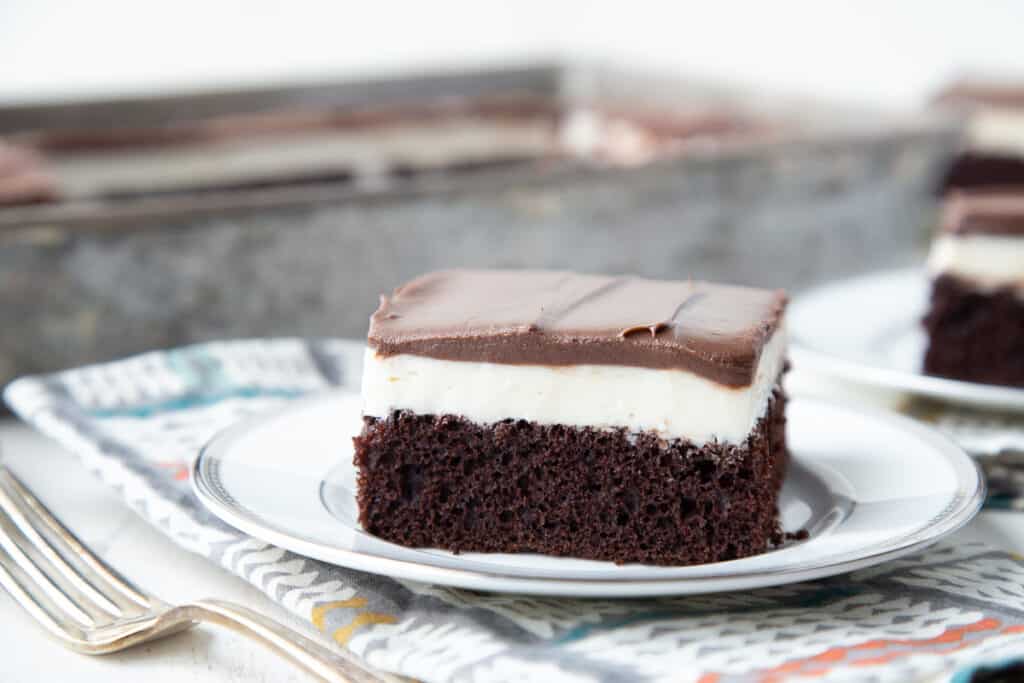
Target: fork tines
52 574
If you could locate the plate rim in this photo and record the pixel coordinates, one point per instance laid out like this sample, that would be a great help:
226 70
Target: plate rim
803 353
247 522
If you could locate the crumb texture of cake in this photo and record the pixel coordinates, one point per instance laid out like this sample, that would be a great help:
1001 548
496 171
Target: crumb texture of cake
516 486
975 335
975 320
607 418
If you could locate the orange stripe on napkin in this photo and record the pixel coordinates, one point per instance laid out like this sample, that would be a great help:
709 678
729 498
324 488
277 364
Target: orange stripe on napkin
342 635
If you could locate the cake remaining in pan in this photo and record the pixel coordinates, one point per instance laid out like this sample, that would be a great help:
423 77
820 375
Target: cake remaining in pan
611 418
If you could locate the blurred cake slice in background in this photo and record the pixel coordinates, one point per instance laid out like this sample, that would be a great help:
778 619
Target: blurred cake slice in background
976 321
993 154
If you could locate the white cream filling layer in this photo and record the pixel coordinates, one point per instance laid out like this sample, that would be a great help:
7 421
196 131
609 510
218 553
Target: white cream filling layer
996 131
673 403
988 261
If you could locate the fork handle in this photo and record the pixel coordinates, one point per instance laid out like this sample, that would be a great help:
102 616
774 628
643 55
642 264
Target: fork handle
306 653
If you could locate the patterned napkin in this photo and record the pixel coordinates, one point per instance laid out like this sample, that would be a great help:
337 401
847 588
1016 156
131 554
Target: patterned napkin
138 423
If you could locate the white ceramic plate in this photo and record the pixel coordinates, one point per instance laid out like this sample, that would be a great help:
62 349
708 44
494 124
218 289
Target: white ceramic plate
868 330
868 487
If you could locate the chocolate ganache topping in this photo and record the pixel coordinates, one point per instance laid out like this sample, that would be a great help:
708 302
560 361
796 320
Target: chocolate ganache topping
560 318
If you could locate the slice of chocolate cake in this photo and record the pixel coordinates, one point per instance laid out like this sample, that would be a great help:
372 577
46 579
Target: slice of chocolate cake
611 418
993 153
976 321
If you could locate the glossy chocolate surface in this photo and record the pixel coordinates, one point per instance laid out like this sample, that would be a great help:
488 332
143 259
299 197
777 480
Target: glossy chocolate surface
560 318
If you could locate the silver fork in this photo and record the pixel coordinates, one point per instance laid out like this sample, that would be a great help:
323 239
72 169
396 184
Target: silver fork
92 609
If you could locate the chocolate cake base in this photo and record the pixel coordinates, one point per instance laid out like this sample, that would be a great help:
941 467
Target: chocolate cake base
517 486
979 171
1005 673
973 335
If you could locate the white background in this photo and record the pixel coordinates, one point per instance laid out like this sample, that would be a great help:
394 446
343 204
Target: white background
872 50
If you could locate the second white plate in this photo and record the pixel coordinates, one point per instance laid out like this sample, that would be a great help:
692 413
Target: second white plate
868 330
868 487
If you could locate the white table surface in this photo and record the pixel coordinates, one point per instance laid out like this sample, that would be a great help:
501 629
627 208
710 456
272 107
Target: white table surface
141 552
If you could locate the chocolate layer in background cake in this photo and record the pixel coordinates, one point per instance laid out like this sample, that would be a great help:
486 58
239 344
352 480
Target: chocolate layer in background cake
610 418
975 323
993 155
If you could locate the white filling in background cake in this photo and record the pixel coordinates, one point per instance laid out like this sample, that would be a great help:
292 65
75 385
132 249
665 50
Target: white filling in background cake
987 261
675 404
996 131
